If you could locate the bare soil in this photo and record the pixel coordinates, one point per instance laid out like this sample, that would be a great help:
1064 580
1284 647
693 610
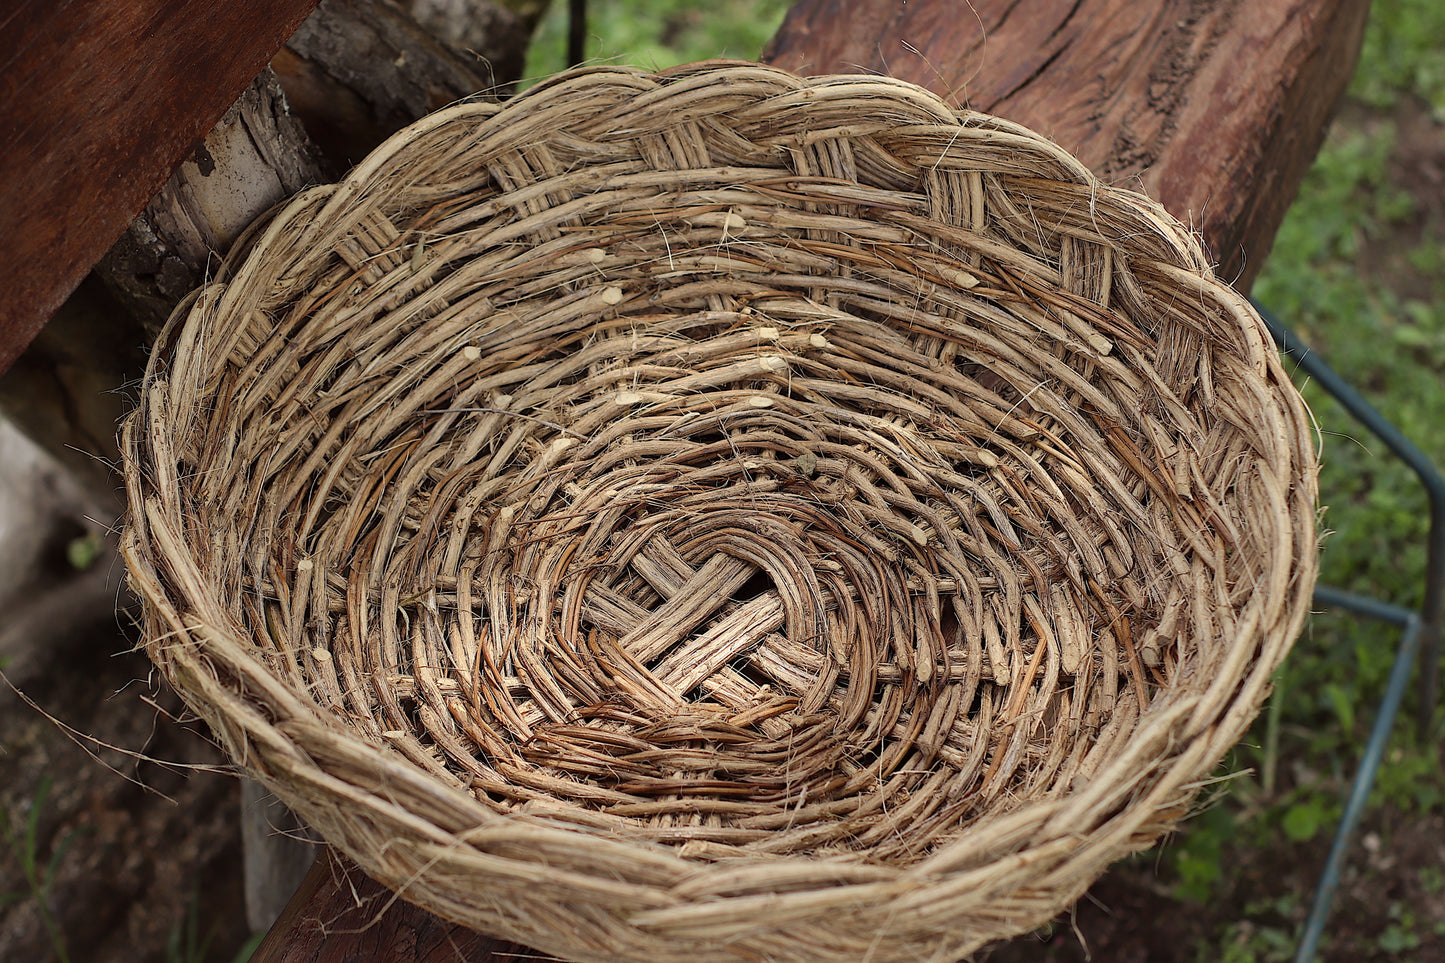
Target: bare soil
141 846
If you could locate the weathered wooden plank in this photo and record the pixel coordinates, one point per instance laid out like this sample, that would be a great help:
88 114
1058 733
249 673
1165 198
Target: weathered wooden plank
99 99
1216 108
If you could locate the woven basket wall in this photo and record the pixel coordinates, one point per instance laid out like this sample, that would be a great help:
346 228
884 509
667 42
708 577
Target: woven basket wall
723 515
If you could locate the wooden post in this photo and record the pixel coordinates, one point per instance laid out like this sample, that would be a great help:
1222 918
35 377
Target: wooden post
254 158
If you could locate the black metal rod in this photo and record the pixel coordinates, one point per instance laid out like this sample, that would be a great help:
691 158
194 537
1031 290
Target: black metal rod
576 32
1434 599
1360 790
1365 605
1421 629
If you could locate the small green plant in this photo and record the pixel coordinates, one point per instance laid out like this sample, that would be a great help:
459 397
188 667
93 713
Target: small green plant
1400 935
1402 55
24 845
83 551
1198 857
1304 820
1245 942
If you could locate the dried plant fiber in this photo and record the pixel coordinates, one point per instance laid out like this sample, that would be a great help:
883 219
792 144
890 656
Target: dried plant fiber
719 514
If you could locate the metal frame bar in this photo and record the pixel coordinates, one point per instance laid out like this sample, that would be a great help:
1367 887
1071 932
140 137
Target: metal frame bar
1369 763
1421 629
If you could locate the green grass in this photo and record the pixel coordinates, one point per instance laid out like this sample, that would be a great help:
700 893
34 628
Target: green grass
1356 270
24 843
1403 56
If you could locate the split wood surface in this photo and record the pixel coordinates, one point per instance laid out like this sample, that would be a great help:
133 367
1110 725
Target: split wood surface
723 509
1215 108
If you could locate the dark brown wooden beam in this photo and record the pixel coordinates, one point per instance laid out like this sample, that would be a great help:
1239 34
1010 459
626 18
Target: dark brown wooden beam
99 100
1216 108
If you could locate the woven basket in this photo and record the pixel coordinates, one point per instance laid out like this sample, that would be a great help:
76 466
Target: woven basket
718 514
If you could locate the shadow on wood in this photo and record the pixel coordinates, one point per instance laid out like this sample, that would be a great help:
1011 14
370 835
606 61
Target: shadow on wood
340 915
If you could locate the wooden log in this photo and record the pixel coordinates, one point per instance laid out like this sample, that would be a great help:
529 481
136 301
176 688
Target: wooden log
498 32
1215 108
98 101
254 158
357 71
67 390
359 66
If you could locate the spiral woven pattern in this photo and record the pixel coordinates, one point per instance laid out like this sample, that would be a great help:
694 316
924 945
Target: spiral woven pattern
720 514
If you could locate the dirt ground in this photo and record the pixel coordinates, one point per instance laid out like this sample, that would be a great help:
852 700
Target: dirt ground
127 851
140 861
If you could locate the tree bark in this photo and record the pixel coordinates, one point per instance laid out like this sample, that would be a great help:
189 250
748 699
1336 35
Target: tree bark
358 71
256 157
1216 108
